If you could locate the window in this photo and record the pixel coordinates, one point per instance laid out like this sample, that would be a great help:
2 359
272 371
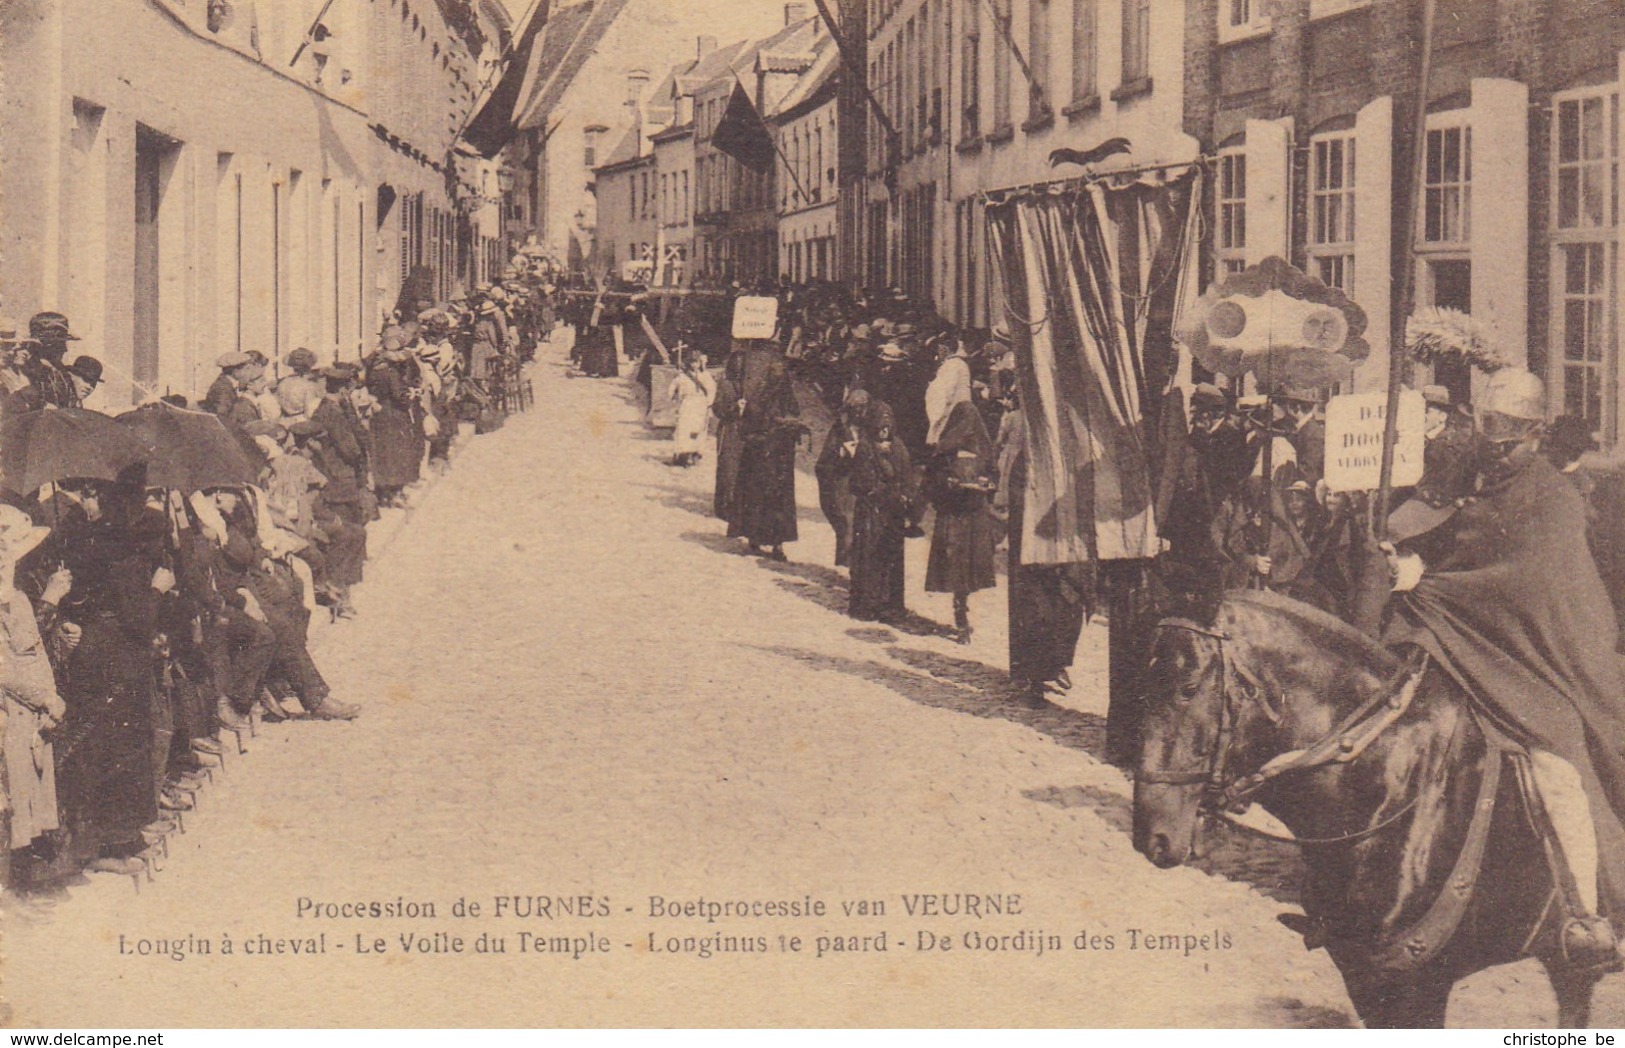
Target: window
1085 19
1038 59
1136 40
970 70
1230 199
1447 183
1587 328
1001 65
1587 162
1239 19
1331 210
1585 263
590 146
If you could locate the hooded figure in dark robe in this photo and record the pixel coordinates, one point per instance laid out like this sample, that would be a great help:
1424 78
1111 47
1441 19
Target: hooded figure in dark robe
834 470
730 439
959 477
1505 596
883 506
770 427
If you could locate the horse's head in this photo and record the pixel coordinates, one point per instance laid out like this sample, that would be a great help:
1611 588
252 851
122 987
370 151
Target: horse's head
1185 725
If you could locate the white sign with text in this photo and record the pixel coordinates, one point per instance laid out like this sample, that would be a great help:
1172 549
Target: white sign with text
755 316
1354 426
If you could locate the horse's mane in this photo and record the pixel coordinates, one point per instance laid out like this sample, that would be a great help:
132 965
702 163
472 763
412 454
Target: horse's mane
1327 630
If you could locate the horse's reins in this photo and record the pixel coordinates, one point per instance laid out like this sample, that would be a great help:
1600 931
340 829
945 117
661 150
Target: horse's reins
1344 744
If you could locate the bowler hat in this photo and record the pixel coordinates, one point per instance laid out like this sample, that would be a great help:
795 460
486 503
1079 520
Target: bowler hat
88 369
50 327
302 358
1207 395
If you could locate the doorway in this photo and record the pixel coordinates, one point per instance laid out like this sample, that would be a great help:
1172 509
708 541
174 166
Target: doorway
155 162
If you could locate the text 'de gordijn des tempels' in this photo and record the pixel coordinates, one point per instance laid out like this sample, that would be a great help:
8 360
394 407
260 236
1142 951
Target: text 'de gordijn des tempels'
702 926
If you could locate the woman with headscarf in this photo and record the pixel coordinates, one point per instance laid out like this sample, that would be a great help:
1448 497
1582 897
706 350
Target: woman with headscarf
397 422
883 507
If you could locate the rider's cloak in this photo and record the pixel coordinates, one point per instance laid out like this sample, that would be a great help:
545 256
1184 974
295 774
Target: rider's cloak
1512 605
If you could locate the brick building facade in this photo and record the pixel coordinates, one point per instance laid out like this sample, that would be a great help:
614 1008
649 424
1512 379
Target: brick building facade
1309 109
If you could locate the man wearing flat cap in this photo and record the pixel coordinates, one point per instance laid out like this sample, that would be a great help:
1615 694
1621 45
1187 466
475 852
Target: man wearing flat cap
1307 432
50 335
235 369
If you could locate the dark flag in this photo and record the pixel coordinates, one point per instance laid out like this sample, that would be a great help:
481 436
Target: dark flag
742 135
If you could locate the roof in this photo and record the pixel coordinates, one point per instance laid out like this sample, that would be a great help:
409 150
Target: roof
673 133
623 159
570 39
664 92
713 67
814 84
628 148
785 61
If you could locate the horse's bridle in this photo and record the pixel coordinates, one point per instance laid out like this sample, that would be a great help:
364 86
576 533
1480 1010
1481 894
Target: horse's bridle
1342 745
1218 794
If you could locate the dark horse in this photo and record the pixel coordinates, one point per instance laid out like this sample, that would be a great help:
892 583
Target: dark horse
1378 769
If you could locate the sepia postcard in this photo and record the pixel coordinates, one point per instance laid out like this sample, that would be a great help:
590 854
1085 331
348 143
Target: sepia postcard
846 513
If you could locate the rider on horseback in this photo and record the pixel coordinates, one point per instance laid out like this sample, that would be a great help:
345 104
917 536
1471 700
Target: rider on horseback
1504 594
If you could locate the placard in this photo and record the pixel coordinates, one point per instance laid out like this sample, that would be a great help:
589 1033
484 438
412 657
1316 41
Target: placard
755 316
1354 428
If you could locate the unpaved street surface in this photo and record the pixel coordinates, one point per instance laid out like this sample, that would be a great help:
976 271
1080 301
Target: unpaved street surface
575 685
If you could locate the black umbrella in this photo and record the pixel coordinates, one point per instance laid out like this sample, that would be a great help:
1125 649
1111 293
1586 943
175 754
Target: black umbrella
41 447
191 450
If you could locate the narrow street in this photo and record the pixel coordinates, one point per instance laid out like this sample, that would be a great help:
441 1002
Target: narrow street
575 685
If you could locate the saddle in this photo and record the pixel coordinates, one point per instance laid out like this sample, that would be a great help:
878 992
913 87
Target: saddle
1410 948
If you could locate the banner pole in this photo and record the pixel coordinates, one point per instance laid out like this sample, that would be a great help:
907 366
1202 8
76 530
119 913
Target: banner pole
1406 278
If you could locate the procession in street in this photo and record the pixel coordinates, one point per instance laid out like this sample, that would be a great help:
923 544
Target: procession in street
765 530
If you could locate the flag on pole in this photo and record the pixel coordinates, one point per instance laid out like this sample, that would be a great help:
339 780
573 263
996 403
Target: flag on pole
741 133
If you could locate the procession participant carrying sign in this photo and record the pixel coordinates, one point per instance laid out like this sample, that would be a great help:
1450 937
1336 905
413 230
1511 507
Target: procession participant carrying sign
755 316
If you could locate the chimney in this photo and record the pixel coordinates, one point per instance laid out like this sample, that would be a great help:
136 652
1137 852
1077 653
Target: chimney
705 45
794 13
637 82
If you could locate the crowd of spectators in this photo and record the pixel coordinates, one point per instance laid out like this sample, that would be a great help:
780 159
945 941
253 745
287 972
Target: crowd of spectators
157 589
